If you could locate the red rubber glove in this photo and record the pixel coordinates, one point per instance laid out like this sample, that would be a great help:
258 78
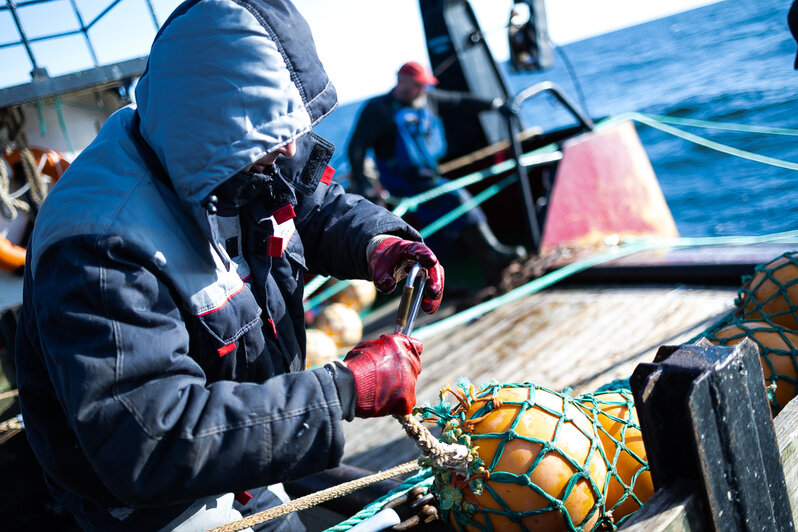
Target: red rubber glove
392 259
385 372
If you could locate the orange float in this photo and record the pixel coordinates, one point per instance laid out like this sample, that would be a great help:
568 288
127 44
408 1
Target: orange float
358 294
629 483
52 165
777 350
320 348
539 465
341 323
772 293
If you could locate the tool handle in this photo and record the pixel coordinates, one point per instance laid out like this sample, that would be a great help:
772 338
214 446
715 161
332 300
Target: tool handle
411 300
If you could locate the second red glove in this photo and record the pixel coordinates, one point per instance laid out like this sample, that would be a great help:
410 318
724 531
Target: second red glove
392 259
385 372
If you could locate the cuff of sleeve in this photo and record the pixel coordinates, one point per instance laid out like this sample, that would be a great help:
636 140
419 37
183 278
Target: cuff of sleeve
344 382
374 242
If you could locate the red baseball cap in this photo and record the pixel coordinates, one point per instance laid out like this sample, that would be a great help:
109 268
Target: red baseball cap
417 73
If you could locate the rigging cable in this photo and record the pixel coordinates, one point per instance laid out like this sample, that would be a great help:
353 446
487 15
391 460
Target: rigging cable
572 74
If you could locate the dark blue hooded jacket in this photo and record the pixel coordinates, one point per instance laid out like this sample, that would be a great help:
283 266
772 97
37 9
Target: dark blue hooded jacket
160 348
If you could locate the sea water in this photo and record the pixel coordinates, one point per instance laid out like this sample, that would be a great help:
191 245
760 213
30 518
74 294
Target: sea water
730 62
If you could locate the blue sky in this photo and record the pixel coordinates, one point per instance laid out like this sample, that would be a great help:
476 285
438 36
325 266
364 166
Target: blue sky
361 42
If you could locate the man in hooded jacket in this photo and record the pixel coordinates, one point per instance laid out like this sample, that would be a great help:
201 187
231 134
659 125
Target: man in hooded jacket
160 346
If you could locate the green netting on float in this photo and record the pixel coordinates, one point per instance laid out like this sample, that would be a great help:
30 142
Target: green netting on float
629 484
766 311
561 438
771 294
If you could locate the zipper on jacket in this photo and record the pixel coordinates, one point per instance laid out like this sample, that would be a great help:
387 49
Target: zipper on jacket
210 206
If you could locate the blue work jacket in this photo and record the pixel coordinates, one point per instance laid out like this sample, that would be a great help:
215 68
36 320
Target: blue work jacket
160 346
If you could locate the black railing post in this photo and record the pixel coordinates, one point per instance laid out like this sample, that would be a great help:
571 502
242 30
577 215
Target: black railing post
705 417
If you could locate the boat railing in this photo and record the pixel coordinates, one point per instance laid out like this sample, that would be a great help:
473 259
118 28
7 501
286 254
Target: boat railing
39 72
557 92
514 129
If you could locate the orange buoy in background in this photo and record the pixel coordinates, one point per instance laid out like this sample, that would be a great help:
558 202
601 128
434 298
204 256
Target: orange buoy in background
320 348
543 469
629 480
358 294
341 323
772 293
777 350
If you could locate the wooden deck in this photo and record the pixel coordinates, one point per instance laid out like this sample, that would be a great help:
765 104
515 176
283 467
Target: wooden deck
568 337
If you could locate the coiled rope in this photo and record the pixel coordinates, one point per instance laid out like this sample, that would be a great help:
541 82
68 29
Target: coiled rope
10 427
13 120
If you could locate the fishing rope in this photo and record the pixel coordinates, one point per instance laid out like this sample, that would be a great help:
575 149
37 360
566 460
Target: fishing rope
316 498
539 156
13 120
448 456
326 294
701 141
10 428
728 126
423 479
61 122
440 454
545 154
9 394
624 249
466 206
9 206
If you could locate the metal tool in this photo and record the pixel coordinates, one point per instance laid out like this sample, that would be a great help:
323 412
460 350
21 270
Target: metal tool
411 299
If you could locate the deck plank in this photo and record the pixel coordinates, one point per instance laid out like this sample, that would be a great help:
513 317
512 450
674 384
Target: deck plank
570 337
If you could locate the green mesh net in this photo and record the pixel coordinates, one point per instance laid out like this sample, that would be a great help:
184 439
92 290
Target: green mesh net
629 484
766 311
540 458
771 294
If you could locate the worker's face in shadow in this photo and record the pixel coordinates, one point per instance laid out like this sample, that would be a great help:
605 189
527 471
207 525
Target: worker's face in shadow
408 91
289 150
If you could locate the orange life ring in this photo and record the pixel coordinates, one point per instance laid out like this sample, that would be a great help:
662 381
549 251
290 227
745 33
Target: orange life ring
12 256
52 164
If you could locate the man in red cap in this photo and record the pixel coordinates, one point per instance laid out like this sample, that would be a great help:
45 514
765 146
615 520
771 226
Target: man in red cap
403 130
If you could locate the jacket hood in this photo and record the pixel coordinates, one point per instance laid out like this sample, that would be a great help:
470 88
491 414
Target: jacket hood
227 82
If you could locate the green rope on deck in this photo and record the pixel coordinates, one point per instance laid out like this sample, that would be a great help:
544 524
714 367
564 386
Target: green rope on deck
625 249
325 294
421 479
541 155
460 210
